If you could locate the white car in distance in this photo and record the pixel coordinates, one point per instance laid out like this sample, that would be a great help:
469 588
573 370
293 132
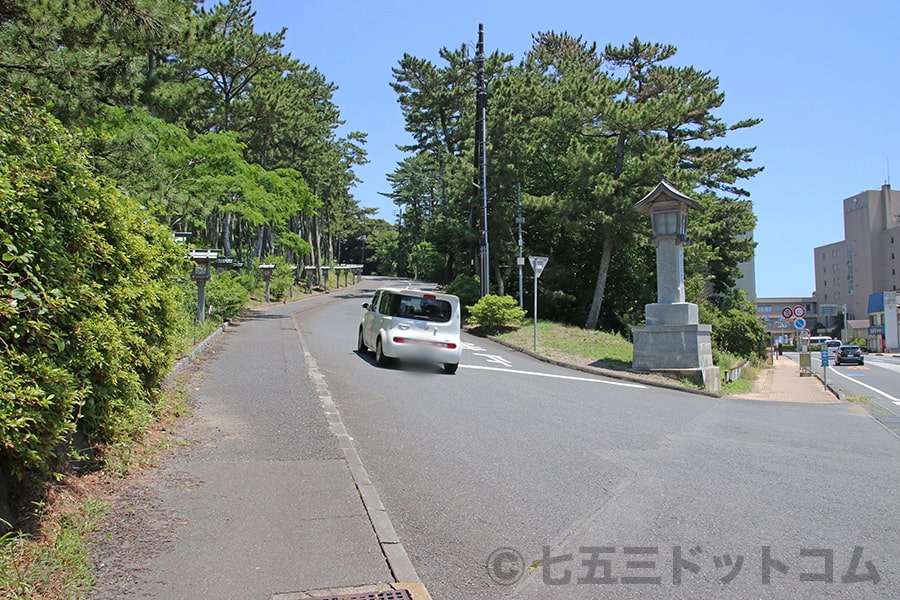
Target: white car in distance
412 325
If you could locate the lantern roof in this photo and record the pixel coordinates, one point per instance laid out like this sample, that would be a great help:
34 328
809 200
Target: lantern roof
665 193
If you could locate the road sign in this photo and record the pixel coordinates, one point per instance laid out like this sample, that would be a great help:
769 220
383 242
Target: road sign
799 323
787 312
799 311
538 263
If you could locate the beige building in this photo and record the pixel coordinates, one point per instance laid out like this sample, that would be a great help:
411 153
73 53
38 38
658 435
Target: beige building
777 315
867 260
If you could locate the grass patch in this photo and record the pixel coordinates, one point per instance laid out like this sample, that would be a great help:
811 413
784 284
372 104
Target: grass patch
871 406
55 563
578 346
573 344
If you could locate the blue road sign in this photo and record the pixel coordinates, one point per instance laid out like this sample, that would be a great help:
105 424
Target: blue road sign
799 323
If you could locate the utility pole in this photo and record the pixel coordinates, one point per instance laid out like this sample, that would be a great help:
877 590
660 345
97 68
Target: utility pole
521 259
481 158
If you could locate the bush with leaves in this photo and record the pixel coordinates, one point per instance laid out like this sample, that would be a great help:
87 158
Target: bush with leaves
89 311
495 313
226 295
465 287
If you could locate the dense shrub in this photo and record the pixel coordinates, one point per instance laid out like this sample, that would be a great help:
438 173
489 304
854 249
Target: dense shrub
467 288
739 333
88 306
494 313
226 294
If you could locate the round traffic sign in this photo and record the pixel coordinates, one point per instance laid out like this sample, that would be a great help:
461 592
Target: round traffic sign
799 323
787 312
799 311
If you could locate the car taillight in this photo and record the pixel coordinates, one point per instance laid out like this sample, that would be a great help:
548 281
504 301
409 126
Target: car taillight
429 296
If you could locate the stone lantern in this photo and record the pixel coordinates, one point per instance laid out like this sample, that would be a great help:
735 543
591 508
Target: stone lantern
673 342
267 270
201 274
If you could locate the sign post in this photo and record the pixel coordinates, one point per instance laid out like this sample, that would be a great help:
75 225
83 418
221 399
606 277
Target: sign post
537 264
824 356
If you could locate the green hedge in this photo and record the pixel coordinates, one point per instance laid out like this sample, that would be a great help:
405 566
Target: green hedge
89 311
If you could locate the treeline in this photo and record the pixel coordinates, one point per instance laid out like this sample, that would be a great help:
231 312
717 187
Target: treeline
121 122
584 133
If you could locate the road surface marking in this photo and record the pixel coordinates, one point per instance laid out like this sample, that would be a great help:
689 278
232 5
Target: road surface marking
554 376
493 358
472 347
869 387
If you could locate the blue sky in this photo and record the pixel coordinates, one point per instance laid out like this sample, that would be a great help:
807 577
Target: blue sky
822 75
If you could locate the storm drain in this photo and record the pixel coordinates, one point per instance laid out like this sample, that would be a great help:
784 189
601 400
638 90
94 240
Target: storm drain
389 595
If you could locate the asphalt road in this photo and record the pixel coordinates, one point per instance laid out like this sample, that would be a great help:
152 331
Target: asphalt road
878 381
597 489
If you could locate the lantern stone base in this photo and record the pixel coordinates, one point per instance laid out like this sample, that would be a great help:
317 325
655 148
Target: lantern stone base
678 313
682 351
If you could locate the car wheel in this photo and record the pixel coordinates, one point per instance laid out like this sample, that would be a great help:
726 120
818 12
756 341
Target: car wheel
361 343
450 368
861 363
380 359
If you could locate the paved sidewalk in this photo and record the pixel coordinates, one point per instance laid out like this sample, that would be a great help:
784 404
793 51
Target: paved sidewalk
784 384
268 500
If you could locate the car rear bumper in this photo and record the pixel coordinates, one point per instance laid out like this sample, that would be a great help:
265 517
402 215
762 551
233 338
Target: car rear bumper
426 350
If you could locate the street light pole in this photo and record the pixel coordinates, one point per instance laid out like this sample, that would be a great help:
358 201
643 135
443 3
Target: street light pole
521 259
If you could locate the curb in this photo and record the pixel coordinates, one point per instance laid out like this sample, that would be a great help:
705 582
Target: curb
183 362
389 542
612 374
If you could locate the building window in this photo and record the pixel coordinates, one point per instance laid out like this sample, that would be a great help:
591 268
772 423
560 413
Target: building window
850 285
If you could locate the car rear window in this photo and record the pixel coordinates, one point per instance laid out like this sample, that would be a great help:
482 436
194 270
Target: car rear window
423 309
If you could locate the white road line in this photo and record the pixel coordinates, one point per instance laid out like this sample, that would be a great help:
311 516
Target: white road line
493 358
867 386
554 376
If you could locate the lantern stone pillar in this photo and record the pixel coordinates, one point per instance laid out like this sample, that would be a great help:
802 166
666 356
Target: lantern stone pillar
672 342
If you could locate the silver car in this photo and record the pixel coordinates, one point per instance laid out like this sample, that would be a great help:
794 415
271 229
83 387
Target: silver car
412 325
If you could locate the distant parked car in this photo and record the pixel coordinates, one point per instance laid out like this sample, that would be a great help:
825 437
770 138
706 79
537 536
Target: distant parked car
848 354
414 325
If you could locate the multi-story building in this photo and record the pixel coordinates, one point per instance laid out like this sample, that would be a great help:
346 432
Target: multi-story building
867 260
778 316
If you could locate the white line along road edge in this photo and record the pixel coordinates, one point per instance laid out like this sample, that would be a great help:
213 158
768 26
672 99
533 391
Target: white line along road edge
394 552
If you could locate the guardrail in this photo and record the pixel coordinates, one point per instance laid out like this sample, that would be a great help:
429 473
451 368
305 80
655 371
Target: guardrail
734 373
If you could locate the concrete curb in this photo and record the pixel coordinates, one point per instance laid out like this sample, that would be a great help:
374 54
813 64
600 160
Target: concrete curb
631 377
183 362
395 555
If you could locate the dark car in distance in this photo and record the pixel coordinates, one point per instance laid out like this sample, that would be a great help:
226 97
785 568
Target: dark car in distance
848 354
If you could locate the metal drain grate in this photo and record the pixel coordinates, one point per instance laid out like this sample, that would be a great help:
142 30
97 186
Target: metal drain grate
389 595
